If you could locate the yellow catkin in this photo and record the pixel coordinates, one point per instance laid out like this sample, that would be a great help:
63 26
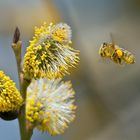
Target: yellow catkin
52 108
10 98
49 53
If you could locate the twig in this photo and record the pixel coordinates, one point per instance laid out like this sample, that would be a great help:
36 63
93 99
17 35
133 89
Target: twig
24 83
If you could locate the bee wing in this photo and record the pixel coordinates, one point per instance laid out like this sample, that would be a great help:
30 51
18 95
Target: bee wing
111 38
104 61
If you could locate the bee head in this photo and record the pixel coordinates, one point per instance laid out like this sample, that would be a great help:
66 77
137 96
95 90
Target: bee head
102 49
104 44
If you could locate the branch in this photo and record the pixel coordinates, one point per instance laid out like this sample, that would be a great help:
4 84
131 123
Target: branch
24 83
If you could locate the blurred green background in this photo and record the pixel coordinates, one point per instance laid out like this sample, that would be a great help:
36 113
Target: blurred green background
107 95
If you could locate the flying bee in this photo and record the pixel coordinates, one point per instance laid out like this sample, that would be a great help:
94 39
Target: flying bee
116 54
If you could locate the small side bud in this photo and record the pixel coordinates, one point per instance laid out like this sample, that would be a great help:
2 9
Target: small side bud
16 36
9 116
16 45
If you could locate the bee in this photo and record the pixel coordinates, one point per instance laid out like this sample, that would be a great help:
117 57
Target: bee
116 54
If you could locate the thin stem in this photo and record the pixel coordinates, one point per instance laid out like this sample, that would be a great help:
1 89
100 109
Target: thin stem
21 120
25 135
17 51
23 83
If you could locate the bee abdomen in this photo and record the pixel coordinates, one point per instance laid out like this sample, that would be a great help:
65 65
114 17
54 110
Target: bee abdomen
128 57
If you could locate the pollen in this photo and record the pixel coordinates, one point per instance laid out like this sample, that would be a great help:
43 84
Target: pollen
50 105
10 98
49 53
61 33
119 52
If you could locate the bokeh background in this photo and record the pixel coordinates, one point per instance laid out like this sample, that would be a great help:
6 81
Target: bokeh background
107 95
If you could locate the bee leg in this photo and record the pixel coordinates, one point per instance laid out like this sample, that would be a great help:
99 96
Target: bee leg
120 61
114 58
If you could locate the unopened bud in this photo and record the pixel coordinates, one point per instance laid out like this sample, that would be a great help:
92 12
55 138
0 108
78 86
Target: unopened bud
16 36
